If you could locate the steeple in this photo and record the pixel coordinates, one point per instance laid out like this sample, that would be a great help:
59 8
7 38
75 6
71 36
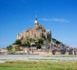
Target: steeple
36 22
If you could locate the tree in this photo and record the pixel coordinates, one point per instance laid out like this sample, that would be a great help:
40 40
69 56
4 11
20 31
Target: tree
18 42
9 48
44 37
40 41
57 42
24 44
27 43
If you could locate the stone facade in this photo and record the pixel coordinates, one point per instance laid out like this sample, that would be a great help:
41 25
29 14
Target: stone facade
38 31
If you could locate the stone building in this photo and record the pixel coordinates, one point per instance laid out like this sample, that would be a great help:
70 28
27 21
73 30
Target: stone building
38 31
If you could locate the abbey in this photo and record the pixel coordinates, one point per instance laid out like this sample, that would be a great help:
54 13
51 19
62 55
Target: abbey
38 31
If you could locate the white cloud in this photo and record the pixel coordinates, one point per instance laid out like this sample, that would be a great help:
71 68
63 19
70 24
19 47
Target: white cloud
55 19
46 19
60 20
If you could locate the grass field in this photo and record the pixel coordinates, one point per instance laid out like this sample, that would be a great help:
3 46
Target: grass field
21 65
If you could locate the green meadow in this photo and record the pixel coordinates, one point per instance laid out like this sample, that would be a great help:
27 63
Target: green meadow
44 65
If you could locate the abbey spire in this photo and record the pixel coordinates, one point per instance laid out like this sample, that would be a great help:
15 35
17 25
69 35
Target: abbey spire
36 21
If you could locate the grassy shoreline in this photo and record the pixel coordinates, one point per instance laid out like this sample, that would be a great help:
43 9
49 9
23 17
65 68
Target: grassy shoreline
41 65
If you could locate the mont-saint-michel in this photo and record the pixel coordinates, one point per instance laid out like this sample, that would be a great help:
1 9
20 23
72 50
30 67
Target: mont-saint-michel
38 40
38 34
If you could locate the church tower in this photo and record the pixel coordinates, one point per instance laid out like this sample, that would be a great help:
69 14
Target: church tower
36 22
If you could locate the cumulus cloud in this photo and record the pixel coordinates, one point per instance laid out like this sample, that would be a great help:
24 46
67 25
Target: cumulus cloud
55 19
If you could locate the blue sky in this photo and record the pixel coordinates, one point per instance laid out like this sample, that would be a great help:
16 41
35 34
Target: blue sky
59 16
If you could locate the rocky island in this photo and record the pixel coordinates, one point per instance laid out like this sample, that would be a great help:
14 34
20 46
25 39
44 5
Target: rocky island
38 40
